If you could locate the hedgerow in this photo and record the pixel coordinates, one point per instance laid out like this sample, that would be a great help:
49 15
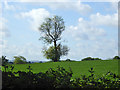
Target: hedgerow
59 78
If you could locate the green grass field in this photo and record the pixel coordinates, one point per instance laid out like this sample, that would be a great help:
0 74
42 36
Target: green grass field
78 67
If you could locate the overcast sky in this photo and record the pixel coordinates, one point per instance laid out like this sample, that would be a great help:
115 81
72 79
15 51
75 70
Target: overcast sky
91 28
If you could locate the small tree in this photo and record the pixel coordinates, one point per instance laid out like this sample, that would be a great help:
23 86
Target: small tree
52 29
19 60
50 52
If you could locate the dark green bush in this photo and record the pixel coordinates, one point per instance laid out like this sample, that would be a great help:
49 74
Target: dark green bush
4 61
67 60
90 58
116 57
59 78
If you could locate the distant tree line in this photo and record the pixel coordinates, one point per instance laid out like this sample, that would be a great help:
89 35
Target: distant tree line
90 58
22 60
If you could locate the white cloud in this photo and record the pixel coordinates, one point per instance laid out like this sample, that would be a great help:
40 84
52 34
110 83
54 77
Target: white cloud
8 7
104 48
29 50
100 0
63 0
0 9
114 5
63 5
85 31
4 32
76 6
91 29
2 45
35 17
48 0
104 20
90 39
3 28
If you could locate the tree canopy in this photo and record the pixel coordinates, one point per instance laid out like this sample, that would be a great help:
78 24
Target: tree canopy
50 52
19 60
51 30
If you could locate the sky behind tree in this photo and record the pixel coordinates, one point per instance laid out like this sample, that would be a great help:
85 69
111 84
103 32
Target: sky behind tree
91 28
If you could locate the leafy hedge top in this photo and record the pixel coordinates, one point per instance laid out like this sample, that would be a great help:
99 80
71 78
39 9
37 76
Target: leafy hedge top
59 78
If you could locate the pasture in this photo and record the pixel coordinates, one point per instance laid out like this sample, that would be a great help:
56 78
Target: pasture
78 67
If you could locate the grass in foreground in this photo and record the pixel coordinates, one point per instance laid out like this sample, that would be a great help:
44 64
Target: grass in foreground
78 67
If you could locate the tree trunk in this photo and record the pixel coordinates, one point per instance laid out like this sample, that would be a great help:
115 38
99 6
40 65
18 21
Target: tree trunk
56 53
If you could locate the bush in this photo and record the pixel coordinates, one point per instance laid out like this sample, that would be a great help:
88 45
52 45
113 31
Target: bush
4 61
116 57
59 78
67 60
90 58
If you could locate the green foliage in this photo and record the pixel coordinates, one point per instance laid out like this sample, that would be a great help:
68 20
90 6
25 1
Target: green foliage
109 80
59 78
90 58
19 60
51 30
78 67
51 54
116 57
67 60
4 60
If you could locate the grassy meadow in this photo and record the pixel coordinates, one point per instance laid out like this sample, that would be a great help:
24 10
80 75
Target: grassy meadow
78 67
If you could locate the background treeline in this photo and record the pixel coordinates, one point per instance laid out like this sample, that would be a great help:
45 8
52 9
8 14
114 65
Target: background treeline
59 78
22 60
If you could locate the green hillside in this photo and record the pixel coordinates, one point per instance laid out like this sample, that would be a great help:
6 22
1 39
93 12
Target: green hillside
78 67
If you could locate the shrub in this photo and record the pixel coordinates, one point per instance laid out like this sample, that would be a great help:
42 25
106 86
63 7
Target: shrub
59 78
4 61
67 60
90 58
97 59
116 57
109 80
